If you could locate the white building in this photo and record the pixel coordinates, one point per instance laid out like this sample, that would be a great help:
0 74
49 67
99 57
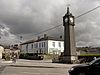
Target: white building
1 51
45 45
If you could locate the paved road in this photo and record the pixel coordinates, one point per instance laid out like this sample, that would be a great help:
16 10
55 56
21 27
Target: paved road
34 67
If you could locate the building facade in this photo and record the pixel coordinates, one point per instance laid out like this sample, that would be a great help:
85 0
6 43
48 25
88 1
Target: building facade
45 45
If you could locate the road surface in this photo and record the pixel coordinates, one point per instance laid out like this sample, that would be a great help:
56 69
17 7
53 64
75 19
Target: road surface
34 67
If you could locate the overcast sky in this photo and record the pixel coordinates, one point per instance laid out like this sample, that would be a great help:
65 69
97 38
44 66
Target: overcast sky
28 17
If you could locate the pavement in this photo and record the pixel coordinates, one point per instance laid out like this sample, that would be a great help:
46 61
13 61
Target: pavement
33 67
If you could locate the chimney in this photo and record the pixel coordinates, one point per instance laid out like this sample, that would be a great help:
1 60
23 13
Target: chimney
45 35
38 37
60 37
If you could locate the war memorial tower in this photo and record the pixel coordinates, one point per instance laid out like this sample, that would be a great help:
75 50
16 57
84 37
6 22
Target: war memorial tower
69 55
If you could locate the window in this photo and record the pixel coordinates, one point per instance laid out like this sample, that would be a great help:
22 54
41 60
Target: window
53 44
32 46
44 44
59 44
40 51
39 45
27 48
36 45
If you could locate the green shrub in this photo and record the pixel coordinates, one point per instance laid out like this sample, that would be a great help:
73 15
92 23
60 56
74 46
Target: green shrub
7 56
30 56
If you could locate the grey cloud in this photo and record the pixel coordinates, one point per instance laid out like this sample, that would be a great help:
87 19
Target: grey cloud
25 18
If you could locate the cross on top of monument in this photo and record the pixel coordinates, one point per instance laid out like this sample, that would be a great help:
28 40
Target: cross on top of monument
67 10
68 5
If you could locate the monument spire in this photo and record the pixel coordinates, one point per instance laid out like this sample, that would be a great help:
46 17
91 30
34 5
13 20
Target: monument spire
68 10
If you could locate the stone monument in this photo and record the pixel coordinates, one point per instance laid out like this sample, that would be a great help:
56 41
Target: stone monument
69 55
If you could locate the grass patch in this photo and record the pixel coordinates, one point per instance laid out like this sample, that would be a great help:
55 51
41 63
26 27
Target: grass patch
89 55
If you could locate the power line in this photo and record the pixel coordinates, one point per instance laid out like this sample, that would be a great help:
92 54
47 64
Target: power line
75 18
61 24
88 12
48 29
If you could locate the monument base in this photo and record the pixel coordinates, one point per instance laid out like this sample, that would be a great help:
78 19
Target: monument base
68 59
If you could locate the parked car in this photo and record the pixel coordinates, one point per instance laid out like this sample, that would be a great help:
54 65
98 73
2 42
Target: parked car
93 68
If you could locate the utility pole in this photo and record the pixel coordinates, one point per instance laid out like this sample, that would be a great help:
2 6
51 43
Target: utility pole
20 43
